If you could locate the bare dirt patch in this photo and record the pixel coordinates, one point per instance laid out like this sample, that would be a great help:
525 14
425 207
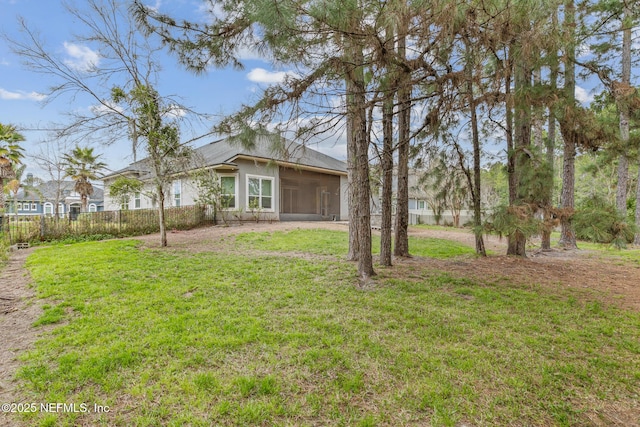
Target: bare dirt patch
18 310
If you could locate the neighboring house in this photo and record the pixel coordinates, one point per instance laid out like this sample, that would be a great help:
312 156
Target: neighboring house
294 183
420 212
46 195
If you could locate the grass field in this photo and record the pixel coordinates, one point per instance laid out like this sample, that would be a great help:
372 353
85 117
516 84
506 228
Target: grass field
262 336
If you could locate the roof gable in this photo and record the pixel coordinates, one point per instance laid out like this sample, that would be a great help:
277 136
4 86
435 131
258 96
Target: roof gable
267 148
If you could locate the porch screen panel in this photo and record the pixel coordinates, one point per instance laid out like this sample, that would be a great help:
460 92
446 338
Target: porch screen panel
309 193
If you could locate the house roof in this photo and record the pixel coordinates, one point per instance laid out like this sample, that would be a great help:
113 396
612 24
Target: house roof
224 153
47 192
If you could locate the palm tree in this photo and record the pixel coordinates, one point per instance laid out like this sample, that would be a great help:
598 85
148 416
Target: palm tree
29 184
10 155
82 165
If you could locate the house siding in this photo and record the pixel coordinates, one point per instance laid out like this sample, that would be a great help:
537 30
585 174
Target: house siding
322 178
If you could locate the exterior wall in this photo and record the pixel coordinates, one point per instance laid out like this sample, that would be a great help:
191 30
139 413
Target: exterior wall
246 169
189 192
344 198
426 216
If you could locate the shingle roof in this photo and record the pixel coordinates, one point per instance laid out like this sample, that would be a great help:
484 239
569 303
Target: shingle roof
47 191
269 148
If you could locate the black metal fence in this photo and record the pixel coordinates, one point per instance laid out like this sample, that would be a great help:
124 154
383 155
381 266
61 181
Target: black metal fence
39 228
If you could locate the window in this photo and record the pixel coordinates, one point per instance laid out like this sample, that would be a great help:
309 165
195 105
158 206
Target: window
93 207
19 206
421 204
177 193
48 208
61 209
34 206
125 206
136 201
259 193
228 193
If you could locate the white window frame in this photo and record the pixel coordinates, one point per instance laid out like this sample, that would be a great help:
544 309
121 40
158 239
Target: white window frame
61 209
423 203
47 208
34 206
177 195
235 187
137 202
93 207
18 206
273 192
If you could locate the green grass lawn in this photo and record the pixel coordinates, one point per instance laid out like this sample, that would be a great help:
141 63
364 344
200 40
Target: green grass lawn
326 242
171 338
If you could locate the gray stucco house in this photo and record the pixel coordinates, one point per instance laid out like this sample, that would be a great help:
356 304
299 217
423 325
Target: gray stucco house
292 182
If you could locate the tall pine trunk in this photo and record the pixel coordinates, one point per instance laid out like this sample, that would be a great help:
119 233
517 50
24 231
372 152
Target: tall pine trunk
354 247
623 108
522 141
386 164
401 248
475 185
545 245
567 127
356 106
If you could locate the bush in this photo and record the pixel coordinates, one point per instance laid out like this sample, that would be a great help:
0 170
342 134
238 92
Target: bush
597 220
508 220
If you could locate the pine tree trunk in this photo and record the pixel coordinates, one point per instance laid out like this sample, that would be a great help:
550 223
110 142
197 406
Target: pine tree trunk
401 248
623 108
387 180
356 104
623 171
522 141
475 187
636 240
567 127
2 198
545 245
354 247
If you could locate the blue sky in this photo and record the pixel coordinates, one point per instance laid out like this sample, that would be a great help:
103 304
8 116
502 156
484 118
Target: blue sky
216 92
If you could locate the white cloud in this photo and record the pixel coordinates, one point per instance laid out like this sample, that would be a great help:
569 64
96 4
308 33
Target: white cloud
210 11
249 53
4 62
82 58
583 51
260 75
20 95
583 96
107 107
175 112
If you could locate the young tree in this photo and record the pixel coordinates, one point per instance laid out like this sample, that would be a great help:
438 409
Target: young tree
49 158
166 155
123 189
121 84
83 166
11 154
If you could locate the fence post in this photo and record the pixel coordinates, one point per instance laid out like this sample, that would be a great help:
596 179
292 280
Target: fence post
42 228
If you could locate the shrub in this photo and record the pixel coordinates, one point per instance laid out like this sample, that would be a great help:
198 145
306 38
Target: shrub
597 220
